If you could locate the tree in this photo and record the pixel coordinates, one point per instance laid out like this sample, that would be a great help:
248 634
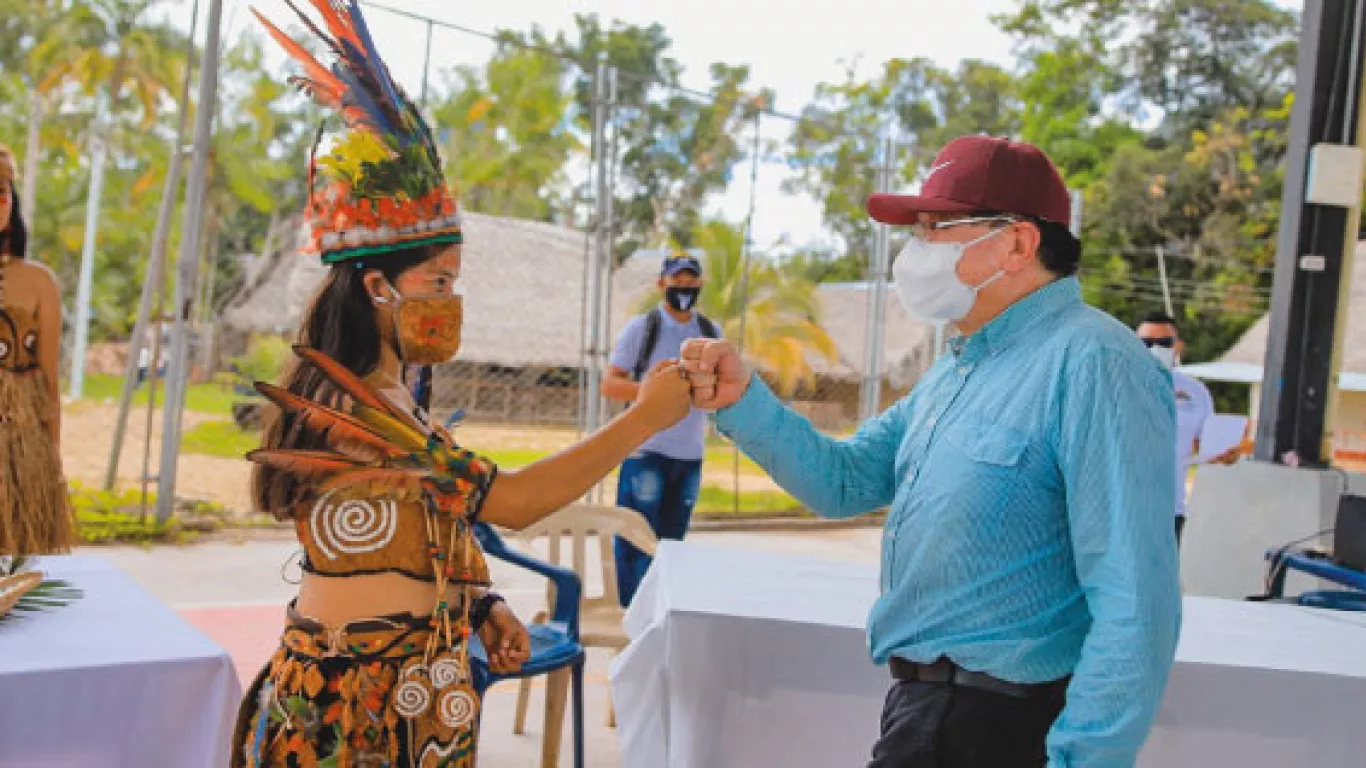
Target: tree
508 135
674 148
1190 60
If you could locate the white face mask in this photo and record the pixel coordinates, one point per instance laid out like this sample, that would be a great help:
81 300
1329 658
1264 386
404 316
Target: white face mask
1164 355
927 281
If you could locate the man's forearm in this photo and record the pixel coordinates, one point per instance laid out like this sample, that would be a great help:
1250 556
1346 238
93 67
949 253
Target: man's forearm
619 389
833 478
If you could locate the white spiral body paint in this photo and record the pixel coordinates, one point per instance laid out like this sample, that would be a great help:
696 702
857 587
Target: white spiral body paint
353 527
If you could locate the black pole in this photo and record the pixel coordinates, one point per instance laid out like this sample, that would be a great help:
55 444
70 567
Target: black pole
1313 241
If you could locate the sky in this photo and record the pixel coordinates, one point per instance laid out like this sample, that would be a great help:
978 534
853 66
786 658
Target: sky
788 52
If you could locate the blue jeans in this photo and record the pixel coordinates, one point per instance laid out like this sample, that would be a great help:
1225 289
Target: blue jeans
664 491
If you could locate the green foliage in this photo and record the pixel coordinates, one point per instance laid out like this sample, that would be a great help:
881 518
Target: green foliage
265 360
223 439
508 137
714 501
674 150
109 517
212 398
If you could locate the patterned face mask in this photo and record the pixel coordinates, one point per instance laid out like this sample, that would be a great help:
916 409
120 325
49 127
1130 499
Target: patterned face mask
427 327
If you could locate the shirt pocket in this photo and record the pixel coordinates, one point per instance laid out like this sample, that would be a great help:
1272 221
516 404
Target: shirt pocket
984 468
995 445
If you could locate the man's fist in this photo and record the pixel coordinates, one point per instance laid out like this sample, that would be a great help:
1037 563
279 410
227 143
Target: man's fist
718 376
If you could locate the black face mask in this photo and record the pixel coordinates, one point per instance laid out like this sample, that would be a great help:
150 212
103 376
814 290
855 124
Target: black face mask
681 299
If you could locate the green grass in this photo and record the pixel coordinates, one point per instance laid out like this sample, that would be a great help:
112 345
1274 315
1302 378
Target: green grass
714 501
716 458
219 438
201 398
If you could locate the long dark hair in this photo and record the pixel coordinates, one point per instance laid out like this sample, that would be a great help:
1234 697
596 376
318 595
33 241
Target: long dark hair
14 237
340 323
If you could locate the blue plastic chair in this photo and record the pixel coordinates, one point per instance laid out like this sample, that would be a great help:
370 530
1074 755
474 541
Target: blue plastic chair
554 644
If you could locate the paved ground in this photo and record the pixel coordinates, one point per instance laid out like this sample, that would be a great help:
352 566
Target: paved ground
235 593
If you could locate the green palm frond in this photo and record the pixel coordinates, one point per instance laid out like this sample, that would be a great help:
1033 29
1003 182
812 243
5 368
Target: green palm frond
53 593
47 595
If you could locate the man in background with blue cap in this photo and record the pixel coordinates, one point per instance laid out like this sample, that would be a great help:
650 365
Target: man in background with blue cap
661 480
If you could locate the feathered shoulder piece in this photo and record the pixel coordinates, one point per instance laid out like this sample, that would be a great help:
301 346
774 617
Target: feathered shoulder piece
381 186
373 445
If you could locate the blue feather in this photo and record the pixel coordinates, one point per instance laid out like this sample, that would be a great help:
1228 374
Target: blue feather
376 63
356 93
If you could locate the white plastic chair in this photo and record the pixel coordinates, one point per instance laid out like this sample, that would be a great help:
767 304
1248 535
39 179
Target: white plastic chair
600 617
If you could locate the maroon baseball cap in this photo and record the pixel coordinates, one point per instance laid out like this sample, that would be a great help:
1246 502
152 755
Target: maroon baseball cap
982 173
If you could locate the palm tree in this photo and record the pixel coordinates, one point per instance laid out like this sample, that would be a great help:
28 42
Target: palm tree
774 316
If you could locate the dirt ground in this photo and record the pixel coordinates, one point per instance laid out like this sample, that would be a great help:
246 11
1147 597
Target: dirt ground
88 430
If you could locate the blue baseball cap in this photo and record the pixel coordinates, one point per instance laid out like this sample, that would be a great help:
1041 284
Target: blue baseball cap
675 264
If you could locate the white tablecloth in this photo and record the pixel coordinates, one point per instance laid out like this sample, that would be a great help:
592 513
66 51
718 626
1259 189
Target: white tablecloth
740 659
113 680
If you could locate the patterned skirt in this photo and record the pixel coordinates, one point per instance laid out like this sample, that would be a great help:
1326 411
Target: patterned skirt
377 693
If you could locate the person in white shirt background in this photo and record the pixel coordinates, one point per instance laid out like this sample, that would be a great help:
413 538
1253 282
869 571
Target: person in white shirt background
1194 405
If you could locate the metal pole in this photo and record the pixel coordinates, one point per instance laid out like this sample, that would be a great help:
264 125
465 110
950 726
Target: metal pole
1162 273
746 246
99 150
1078 201
607 259
878 266
155 276
208 321
426 62
153 380
187 266
601 248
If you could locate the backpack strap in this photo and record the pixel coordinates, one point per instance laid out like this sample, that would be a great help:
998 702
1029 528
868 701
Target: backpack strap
708 327
653 320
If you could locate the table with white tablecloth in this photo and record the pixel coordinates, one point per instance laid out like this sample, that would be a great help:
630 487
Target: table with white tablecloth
114 680
740 659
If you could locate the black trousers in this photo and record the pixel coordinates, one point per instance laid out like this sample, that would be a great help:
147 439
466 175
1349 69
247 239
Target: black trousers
938 725
1180 523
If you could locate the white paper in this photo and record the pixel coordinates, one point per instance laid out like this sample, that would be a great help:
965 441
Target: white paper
1222 433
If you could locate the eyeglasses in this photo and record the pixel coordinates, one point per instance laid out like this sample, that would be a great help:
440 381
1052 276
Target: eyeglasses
923 231
1160 341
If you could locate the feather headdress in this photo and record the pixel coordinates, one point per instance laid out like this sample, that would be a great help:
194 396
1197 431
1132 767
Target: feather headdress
381 186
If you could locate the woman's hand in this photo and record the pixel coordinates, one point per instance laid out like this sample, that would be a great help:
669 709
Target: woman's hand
665 395
505 639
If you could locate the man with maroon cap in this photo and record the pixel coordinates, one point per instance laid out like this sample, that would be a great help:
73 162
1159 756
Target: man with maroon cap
1030 603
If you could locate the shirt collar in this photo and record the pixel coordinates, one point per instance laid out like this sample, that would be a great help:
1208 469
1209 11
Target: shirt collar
1009 326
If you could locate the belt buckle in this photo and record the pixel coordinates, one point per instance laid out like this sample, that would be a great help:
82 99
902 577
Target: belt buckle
335 640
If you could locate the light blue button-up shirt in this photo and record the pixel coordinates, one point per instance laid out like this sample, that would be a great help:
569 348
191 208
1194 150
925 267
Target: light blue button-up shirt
1029 536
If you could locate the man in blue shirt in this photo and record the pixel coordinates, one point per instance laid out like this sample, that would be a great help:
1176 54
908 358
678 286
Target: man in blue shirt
1030 604
661 480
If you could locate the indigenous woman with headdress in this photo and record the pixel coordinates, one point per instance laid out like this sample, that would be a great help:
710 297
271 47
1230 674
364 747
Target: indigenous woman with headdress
374 663
35 512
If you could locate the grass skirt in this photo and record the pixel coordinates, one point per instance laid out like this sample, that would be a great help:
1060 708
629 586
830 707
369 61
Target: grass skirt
35 511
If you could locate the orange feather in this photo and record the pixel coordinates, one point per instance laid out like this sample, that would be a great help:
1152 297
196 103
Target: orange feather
351 385
327 88
339 27
307 464
340 428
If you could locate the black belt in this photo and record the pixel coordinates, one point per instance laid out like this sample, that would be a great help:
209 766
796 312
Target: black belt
945 671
